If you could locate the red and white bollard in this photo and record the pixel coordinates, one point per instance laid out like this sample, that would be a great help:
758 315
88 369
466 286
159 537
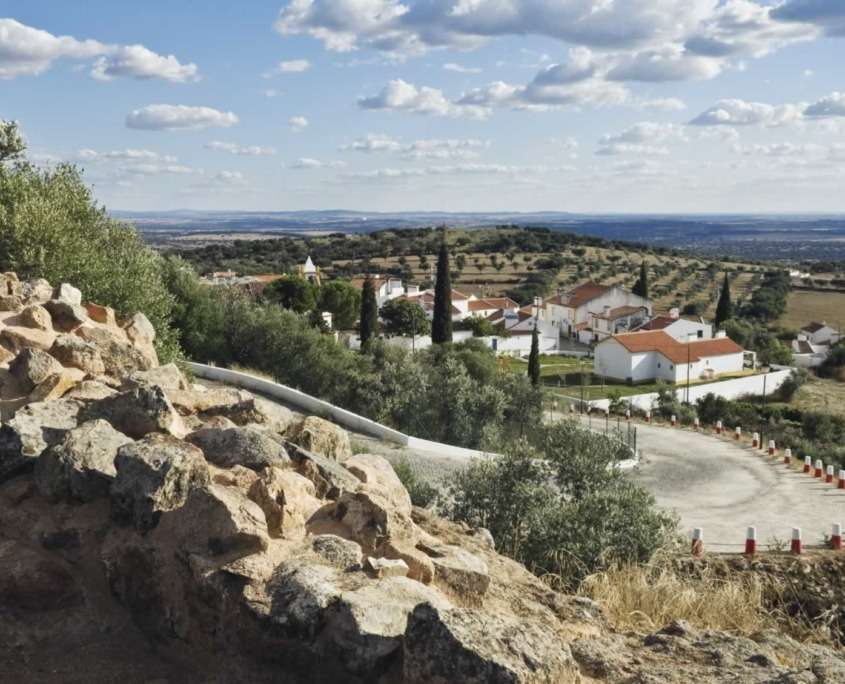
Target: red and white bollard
627 415
808 464
751 541
698 542
787 456
771 447
841 481
795 547
737 433
696 423
718 427
828 477
648 416
674 419
755 440
836 537
819 469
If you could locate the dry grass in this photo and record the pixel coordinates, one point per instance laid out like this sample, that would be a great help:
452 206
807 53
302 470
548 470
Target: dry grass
821 395
649 597
803 307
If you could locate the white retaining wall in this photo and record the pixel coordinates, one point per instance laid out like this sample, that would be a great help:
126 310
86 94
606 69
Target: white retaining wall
729 389
311 405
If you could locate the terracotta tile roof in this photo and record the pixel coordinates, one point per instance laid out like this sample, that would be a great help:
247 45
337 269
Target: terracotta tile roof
657 323
458 295
492 303
585 293
269 278
677 352
359 282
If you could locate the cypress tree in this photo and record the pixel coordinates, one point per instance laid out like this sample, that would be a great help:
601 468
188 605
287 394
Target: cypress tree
725 307
641 286
534 358
369 314
441 324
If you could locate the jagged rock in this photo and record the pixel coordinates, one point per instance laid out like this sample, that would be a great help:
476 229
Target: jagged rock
155 475
167 376
377 473
272 417
81 466
66 317
101 314
385 567
91 390
67 293
236 476
287 499
11 303
32 367
322 437
461 573
366 626
16 338
340 552
237 405
119 356
9 284
57 385
36 291
464 645
139 328
244 446
330 478
138 412
217 520
32 430
36 316
74 352
299 593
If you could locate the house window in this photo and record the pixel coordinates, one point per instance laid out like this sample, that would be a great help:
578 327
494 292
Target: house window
658 364
671 367
700 334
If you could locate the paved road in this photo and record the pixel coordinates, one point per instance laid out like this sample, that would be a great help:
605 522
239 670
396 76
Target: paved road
724 488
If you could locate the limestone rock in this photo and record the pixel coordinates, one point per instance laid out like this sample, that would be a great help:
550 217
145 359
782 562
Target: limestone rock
322 437
74 352
138 412
32 367
272 416
32 430
342 553
101 314
244 446
464 645
11 303
16 339
57 385
36 316
67 293
81 466
91 390
385 567
237 405
461 573
167 376
36 291
329 477
119 356
139 328
299 593
377 473
9 284
155 475
66 317
287 499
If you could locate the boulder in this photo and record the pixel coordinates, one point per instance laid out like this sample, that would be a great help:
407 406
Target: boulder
138 412
31 367
466 645
33 582
167 376
244 446
11 303
34 428
57 385
339 552
216 521
237 405
16 339
35 316
68 294
36 291
322 437
66 317
155 475
329 477
101 314
272 416
287 499
9 284
236 476
119 356
81 466
386 567
74 352
459 572
139 329
377 473
299 594
91 390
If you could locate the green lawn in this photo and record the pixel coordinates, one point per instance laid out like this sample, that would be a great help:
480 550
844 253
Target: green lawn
549 365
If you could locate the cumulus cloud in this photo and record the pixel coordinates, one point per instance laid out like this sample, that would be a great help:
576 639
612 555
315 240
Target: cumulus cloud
427 148
646 132
133 162
670 64
829 15
163 117
401 96
735 112
664 104
374 142
456 170
306 163
28 51
615 149
783 149
460 69
298 123
129 154
240 150
831 105
293 66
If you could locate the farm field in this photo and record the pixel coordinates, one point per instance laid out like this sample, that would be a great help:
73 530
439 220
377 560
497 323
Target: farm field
805 306
821 395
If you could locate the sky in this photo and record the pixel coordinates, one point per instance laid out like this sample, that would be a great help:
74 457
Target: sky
589 106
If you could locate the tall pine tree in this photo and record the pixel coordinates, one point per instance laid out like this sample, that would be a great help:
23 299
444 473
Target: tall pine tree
441 324
534 358
369 314
641 286
725 307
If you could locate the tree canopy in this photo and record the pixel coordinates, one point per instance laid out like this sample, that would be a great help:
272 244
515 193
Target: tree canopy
402 317
724 307
441 325
369 314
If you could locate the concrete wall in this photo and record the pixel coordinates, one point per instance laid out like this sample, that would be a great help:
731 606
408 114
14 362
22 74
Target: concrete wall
684 330
313 406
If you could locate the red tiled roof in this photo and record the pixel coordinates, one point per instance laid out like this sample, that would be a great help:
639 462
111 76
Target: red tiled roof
269 278
585 293
677 352
492 303
657 323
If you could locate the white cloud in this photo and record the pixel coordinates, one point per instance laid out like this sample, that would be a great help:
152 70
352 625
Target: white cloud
136 61
374 142
647 132
401 96
426 148
460 69
722 133
827 14
271 92
735 112
669 64
298 123
830 105
784 149
307 163
469 169
664 104
615 149
129 154
162 117
28 51
240 150
293 66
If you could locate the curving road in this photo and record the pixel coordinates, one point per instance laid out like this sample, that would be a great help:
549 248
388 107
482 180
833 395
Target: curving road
722 487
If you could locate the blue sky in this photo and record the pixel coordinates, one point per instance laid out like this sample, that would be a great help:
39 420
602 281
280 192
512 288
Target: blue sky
573 105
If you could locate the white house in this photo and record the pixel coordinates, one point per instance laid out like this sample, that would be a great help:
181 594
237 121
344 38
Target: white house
682 328
386 288
610 322
487 306
572 312
646 356
820 333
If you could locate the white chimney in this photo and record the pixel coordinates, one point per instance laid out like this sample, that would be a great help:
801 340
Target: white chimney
720 335
674 312
606 309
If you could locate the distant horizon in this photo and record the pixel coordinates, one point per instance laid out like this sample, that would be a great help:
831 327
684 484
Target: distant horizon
528 212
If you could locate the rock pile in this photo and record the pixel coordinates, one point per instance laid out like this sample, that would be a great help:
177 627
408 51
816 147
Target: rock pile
152 528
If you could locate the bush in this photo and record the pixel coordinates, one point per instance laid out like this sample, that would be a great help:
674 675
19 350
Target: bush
421 492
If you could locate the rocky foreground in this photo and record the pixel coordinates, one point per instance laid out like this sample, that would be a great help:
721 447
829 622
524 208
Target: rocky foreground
154 530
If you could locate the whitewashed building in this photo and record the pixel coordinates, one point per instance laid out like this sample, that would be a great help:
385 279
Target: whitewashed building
820 333
682 328
386 288
573 312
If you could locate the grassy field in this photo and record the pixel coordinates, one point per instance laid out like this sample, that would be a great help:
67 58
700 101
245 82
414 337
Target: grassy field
549 365
804 307
825 396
